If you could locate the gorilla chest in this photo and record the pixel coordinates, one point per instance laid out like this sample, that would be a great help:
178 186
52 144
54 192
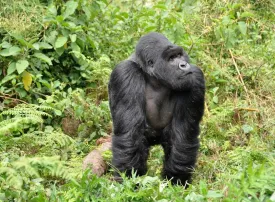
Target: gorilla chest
159 106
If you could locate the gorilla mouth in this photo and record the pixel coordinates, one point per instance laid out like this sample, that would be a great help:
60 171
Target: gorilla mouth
184 75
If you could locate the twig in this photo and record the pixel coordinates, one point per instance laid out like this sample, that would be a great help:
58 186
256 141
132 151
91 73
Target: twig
15 99
249 109
237 69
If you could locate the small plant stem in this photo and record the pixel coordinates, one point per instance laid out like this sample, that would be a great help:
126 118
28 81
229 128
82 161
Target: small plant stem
237 69
15 99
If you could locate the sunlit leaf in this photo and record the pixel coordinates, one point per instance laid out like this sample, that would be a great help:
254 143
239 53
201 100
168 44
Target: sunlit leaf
8 78
44 45
43 57
60 41
73 37
27 80
216 99
5 44
12 51
70 8
11 68
52 9
21 65
214 194
242 27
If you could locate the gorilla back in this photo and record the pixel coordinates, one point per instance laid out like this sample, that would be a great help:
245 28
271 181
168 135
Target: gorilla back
156 97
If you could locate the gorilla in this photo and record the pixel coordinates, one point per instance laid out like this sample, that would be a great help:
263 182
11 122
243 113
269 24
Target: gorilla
156 97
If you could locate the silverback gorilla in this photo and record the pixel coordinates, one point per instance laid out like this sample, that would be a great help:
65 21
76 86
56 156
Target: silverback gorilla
156 97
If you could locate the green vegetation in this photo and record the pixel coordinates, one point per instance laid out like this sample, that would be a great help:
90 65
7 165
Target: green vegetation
56 58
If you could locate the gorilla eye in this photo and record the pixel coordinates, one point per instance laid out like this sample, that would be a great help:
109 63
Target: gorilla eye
172 57
150 63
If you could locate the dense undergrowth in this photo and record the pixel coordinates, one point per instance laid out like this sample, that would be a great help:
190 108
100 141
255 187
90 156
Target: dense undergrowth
56 58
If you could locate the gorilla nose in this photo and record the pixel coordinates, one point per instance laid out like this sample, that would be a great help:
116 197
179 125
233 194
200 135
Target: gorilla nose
184 65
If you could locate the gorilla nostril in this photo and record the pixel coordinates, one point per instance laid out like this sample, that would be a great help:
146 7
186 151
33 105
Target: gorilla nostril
183 65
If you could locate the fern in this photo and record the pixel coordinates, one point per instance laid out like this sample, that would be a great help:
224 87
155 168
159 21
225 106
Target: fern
21 116
24 170
55 139
28 109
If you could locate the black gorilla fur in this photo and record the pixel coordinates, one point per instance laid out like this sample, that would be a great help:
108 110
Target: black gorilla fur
156 97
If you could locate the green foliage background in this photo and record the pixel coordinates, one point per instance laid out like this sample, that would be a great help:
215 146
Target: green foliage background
56 57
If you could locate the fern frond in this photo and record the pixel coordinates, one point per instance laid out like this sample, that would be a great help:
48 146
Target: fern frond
11 177
23 114
23 170
28 109
60 139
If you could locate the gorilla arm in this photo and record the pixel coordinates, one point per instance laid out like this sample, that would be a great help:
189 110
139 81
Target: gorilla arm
182 147
127 101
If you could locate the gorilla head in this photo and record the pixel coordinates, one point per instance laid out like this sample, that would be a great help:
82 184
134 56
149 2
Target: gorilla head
166 62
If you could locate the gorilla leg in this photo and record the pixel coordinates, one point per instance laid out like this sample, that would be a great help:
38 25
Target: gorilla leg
130 152
127 100
180 155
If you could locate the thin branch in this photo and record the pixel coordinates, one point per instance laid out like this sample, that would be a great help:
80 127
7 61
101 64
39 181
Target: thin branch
15 99
248 109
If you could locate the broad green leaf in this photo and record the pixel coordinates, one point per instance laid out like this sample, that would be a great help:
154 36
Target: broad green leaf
226 20
52 10
71 25
57 112
36 46
11 68
21 65
56 84
5 52
5 44
12 51
60 51
215 90
27 80
51 37
214 194
21 40
216 99
60 19
87 12
60 41
70 8
8 78
242 27
73 37
44 45
43 57
75 47
231 38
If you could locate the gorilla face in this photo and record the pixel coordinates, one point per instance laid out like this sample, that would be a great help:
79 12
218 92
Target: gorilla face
167 62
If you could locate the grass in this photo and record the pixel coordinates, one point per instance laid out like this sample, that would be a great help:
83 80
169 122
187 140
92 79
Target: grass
21 16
